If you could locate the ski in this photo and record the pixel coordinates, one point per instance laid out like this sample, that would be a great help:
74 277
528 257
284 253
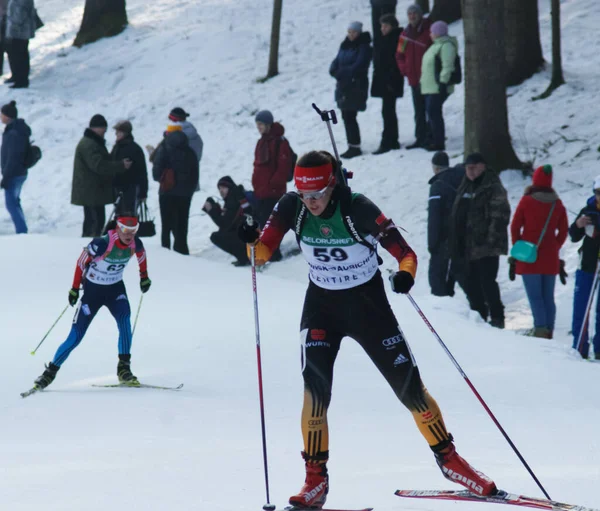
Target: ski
139 386
32 390
295 508
501 497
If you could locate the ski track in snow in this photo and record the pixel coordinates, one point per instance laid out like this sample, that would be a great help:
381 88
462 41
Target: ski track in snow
76 447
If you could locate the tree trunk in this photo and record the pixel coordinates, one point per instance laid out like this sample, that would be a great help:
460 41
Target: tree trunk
522 40
446 10
423 4
486 114
275 30
101 18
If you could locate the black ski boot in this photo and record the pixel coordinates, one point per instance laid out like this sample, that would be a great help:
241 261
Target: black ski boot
47 377
124 371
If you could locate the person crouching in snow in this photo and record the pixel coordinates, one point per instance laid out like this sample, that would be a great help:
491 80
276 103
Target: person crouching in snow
337 231
101 267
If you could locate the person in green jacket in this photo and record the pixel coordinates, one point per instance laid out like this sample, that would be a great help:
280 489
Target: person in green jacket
93 173
436 69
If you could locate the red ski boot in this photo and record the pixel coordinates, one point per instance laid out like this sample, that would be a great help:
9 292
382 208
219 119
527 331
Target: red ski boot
314 492
456 469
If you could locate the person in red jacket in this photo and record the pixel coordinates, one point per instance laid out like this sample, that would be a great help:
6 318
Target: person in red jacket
412 45
539 203
272 162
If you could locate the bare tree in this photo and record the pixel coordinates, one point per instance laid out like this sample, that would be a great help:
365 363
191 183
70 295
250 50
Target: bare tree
446 10
522 40
101 18
274 49
486 113
558 78
423 4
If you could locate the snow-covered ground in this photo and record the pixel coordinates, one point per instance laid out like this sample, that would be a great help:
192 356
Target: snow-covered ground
76 447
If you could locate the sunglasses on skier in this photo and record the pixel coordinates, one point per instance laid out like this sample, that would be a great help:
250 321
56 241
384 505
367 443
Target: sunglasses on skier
128 225
319 194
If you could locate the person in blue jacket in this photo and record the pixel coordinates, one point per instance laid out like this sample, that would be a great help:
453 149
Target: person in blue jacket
350 68
15 141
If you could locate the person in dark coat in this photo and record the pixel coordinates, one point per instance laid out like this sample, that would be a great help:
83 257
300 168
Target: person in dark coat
586 227
442 193
272 162
93 175
414 42
540 204
350 68
388 82
132 184
176 168
228 218
20 28
478 237
378 9
15 141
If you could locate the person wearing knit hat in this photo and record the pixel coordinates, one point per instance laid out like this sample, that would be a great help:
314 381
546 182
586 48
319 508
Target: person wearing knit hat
442 194
15 140
586 227
178 114
350 68
228 219
540 219
264 117
478 237
412 45
93 174
346 296
437 72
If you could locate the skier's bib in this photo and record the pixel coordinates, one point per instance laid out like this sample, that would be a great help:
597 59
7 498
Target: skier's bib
108 268
335 258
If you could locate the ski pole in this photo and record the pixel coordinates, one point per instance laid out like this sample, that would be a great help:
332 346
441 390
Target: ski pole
50 330
472 387
137 315
268 506
584 325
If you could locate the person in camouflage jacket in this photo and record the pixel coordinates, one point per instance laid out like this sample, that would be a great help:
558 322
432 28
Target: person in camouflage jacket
479 236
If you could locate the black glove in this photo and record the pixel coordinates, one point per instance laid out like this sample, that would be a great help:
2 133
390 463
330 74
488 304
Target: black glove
443 88
402 282
145 284
249 232
73 296
512 266
563 273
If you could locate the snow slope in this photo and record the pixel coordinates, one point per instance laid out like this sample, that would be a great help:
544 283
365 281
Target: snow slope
76 447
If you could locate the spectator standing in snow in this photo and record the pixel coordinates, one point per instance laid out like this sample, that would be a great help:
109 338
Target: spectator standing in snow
20 27
179 115
478 237
272 162
3 6
176 168
587 227
350 68
442 193
388 83
133 183
93 176
436 70
228 218
378 9
15 141
412 45
538 207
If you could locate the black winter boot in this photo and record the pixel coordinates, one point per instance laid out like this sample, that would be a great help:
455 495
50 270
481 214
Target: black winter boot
351 152
47 376
124 371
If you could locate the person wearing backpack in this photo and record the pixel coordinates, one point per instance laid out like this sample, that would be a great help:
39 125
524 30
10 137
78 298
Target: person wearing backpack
540 218
437 70
15 142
